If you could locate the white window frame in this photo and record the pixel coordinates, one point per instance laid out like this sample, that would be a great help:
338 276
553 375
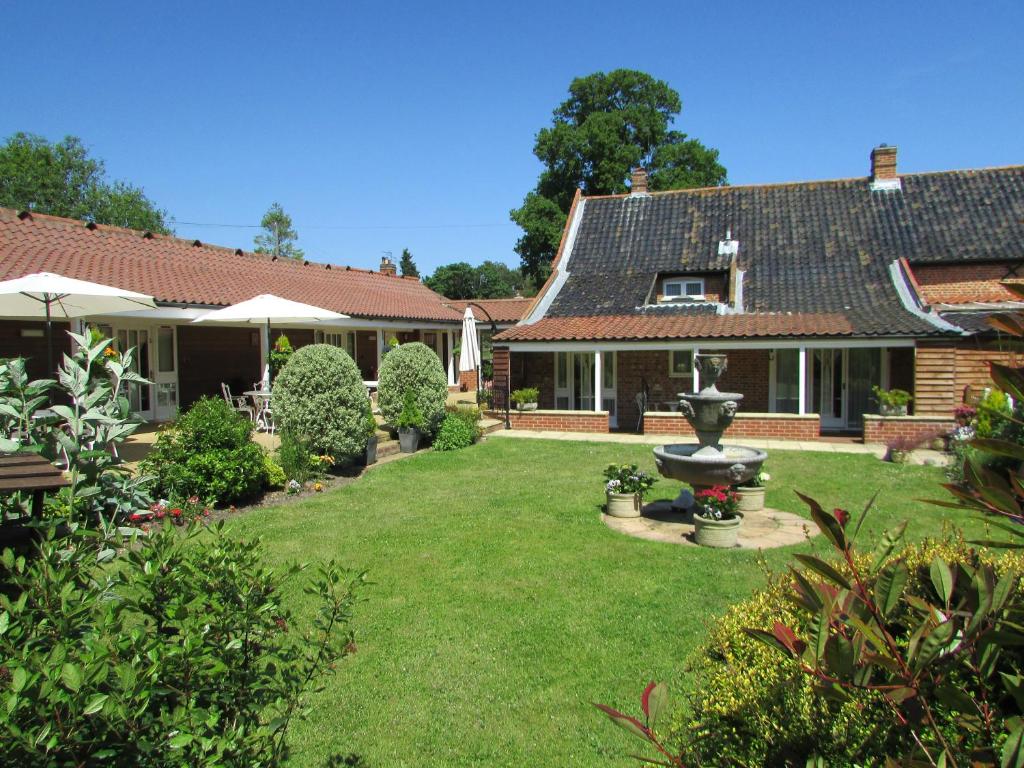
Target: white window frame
672 372
683 283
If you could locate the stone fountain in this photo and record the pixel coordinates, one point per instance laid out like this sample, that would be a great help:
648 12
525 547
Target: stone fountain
710 413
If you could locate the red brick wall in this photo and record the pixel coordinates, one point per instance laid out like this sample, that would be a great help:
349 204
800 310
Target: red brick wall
535 369
771 426
467 381
559 421
882 429
33 348
747 374
208 356
959 283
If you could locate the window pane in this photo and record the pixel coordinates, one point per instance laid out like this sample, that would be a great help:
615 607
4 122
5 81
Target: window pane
673 289
165 350
608 371
681 362
787 381
695 288
562 365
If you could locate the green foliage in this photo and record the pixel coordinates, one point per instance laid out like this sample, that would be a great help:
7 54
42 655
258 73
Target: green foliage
525 396
414 368
279 355
411 416
319 397
628 478
82 434
183 654
278 237
611 123
61 179
370 423
993 415
893 398
455 433
208 453
297 461
276 477
407 265
490 280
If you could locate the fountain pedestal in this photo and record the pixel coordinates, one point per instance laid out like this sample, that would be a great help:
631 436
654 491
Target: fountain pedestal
708 463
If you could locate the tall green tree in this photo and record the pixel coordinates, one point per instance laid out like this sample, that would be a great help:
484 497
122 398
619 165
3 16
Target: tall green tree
611 123
456 281
407 265
278 236
63 180
490 280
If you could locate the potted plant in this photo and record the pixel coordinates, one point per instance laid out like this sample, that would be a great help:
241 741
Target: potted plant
715 519
750 497
410 424
898 449
371 437
625 487
964 415
892 402
525 399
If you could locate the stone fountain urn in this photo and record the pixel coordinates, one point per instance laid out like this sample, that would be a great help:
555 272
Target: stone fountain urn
708 462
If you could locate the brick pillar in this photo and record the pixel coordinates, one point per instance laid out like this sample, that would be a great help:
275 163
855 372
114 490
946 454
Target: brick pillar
502 373
467 381
935 379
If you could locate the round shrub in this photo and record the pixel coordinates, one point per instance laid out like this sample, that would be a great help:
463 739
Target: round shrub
208 453
417 368
456 432
320 400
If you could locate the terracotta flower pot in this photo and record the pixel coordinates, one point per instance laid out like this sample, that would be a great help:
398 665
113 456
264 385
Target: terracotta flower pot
720 534
623 504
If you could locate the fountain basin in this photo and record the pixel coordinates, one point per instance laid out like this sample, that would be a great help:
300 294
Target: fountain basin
733 466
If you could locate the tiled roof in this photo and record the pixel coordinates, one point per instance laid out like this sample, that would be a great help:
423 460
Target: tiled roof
174 270
696 326
814 249
500 310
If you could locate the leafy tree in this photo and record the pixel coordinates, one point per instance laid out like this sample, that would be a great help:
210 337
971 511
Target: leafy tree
407 265
278 236
611 123
456 281
63 180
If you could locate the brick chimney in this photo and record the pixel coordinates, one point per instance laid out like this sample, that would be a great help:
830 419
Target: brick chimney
883 168
638 182
387 266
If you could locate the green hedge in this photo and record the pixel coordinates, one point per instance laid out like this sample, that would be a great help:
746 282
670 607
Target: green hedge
413 367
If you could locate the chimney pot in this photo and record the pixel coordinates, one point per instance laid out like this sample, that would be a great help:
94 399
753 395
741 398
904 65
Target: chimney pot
883 168
387 266
638 181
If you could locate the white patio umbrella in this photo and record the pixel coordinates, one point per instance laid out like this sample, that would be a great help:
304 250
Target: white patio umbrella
266 309
469 354
48 295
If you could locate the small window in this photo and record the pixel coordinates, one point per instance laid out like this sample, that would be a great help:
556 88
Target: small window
689 288
680 364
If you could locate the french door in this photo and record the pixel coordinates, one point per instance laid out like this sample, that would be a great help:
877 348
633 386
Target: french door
155 359
842 382
574 383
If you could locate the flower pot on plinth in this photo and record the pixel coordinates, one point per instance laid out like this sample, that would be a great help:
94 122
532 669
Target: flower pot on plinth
887 409
623 504
720 534
371 451
750 498
408 439
527 406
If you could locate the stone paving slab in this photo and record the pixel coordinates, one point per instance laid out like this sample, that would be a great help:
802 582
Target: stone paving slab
760 530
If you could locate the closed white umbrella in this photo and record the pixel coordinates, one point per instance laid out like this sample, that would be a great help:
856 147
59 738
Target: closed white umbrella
469 354
266 309
48 295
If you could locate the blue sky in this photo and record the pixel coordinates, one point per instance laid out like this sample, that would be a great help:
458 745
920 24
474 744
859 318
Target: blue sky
385 125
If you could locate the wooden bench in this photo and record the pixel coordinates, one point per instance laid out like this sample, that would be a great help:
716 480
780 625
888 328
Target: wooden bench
29 472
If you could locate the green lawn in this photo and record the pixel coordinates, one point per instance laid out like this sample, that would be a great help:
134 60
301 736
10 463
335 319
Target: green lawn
502 605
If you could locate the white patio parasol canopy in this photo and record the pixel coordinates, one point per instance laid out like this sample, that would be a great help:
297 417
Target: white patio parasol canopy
48 295
266 309
469 354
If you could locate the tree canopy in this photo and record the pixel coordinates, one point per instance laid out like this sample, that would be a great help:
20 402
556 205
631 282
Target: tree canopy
61 179
407 265
278 236
490 280
611 123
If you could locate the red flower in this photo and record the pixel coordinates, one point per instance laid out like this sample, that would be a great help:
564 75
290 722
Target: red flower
160 515
206 513
135 517
176 512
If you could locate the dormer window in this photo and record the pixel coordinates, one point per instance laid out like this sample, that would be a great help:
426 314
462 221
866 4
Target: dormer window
684 288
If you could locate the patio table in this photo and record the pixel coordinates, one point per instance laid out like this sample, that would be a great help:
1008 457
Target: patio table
262 415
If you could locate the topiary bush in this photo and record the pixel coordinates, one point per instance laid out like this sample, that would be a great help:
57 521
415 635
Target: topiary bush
456 432
320 401
208 453
413 367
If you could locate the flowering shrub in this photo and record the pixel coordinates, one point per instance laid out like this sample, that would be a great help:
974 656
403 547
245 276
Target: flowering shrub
716 503
964 413
187 512
627 478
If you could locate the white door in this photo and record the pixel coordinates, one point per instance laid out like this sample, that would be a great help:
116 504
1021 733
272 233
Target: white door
165 373
608 398
583 382
140 396
831 378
